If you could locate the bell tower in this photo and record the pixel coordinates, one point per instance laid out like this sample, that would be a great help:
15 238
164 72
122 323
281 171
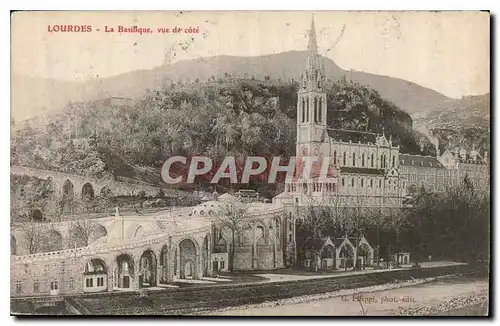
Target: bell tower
311 102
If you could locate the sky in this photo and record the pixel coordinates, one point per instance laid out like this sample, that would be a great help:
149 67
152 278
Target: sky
445 51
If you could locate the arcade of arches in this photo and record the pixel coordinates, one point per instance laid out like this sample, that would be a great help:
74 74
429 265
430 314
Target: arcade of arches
148 270
55 199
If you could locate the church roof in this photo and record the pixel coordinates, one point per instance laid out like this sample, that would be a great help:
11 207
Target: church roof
468 159
356 170
353 136
418 160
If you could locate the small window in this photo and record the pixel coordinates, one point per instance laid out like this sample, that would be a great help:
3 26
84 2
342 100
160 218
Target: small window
289 238
352 182
71 284
380 183
19 287
36 286
362 182
54 285
371 182
343 182
223 264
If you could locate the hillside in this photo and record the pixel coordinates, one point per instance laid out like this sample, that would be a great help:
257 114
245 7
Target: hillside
466 122
35 95
222 117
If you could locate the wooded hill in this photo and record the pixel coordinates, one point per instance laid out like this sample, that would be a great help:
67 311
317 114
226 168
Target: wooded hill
127 138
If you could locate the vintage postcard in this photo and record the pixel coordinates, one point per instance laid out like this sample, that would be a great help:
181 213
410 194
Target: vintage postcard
250 163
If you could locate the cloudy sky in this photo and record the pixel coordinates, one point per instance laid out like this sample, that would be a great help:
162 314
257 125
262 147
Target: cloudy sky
448 51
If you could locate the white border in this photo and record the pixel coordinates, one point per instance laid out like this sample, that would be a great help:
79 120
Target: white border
190 5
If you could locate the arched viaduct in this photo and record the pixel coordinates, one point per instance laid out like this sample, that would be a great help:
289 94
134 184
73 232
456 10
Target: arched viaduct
82 184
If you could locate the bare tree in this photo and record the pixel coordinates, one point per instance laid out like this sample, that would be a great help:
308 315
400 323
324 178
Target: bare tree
33 236
233 215
82 232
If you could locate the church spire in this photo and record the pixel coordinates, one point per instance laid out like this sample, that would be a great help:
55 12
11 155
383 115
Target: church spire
314 71
312 46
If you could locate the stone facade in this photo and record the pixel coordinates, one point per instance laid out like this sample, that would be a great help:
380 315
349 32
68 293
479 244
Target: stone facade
444 171
140 252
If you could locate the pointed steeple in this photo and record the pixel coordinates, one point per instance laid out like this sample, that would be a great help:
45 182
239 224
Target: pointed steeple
314 73
312 46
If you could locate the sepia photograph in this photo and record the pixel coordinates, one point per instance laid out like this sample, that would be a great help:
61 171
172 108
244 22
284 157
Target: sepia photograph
250 163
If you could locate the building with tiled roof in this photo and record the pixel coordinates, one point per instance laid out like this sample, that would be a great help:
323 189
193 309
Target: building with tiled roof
437 173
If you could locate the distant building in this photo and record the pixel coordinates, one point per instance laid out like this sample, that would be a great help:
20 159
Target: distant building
436 174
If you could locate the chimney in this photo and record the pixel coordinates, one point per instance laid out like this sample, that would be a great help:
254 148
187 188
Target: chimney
436 144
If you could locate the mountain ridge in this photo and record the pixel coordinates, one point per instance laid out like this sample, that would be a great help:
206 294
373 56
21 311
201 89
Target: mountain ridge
32 95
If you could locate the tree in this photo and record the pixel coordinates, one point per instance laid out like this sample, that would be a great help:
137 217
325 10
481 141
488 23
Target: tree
468 183
33 237
452 225
82 232
233 215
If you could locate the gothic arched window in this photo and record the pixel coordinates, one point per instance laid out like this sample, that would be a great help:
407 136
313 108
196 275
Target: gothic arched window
353 159
363 159
393 161
307 109
344 160
315 109
303 110
320 110
372 160
335 157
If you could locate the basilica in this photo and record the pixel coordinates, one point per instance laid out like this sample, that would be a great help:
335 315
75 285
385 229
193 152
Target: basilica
371 173
362 174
